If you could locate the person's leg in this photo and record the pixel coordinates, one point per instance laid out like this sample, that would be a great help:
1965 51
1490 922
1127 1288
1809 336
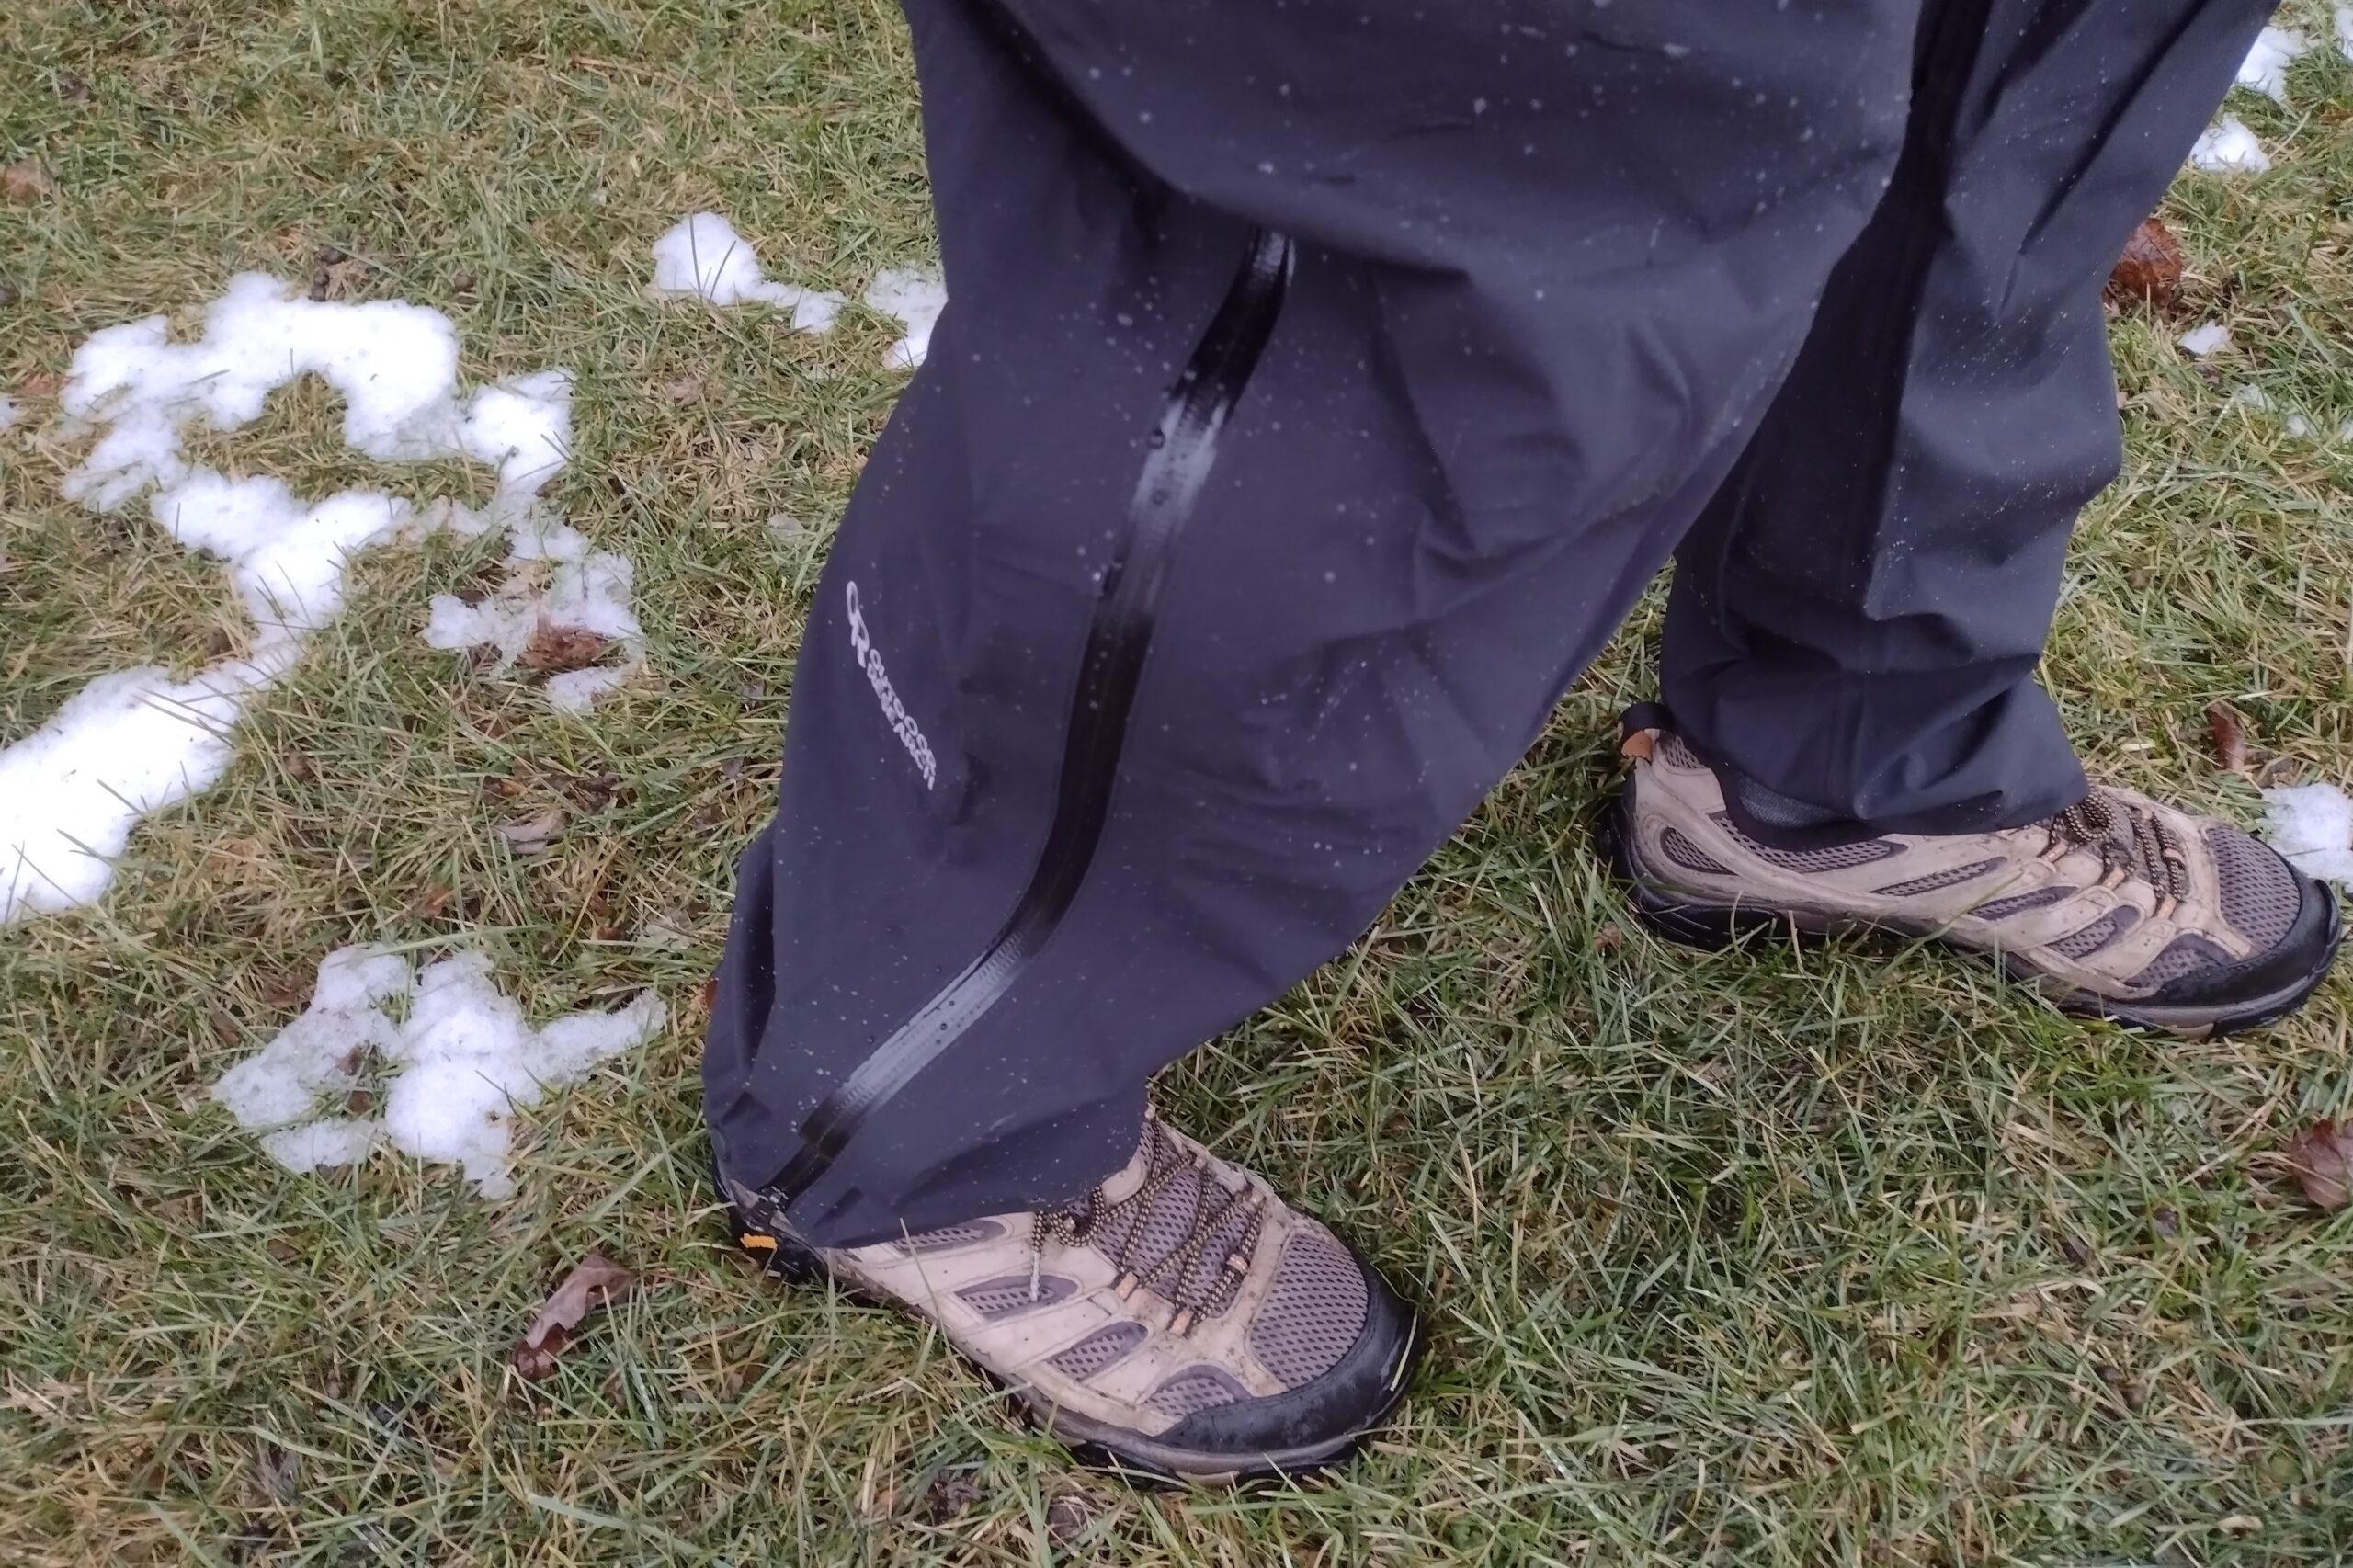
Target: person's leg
1320 385
1857 618
1541 287
1852 735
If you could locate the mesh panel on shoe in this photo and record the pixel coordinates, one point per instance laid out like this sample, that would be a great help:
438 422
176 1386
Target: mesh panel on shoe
1836 858
2019 904
2085 940
1013 1293
1689 855
2258 893
952 1236
1676 752
1314 1313
1143 1239
2186 954
1952 876
1195 1388
1098 1350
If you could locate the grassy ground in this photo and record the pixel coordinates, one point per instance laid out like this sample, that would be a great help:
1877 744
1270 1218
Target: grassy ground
1759 1257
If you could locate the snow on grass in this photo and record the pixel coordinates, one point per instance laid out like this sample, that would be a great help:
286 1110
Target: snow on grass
553 579
2312 824
2345 30
2265 69
2211 339
135 742
2229 147
702 256
126 744
9 412
458 1065
915 298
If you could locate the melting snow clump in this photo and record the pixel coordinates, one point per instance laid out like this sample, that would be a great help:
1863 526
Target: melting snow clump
916 299
9 412
2211 339
136 742
2229 147
125 745
2345 30
2312 824
702 256
553 579
458 1063
2265 69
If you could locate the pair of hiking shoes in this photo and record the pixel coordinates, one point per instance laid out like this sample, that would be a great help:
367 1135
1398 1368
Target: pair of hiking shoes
1182 1322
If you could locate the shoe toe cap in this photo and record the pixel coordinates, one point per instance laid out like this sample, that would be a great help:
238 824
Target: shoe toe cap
1337 1404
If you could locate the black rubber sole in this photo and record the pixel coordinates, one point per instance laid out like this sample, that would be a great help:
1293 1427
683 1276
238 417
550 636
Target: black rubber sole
1697 923
783 1259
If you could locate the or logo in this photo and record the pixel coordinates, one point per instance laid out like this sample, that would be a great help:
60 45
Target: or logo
893 710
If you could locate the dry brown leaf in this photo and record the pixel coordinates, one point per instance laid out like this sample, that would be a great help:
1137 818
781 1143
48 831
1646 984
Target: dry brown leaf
594 1281
24 180
2322 1158
2230 736
2150 269
556 648
339 275
532 834
687 389
41 383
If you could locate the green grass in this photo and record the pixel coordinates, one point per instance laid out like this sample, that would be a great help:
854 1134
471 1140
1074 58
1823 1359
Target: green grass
1836 1257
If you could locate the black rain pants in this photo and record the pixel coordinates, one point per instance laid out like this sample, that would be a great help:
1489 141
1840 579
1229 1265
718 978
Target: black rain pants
1321 384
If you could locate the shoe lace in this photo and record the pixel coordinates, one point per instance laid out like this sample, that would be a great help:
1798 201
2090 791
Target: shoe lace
2130 842
1174 1276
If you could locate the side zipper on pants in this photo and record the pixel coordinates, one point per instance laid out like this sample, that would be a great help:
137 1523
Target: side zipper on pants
1184 449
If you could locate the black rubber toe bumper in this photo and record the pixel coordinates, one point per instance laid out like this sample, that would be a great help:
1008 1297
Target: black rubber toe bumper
2268 985
1325 1417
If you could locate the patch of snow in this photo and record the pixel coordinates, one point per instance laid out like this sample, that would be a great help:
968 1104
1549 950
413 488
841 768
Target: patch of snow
2229 147
702 256
287 560
2345 30
460 1062
135 742
2211 339
126 745
2265 69
2312 824
553 579
915 298
2298 425
2249 397
9 412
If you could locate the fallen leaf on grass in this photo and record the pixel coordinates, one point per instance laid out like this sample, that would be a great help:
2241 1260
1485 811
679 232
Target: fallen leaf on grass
2230 736
339 275
2322 1158
2150 269
24 180
594 1281
687 389
554 648
532 834
951 1493
41 383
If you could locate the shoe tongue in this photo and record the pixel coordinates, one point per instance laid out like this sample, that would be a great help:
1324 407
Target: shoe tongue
1131 1176
1149 1231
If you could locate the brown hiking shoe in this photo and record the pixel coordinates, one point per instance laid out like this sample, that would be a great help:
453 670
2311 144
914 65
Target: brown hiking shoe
1181 1320
2119 907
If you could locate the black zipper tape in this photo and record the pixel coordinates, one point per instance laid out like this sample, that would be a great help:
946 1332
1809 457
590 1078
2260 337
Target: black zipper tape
1184 449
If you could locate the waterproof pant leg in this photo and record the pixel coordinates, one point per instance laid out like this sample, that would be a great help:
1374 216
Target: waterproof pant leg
1856 621
1320 385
